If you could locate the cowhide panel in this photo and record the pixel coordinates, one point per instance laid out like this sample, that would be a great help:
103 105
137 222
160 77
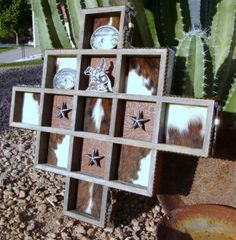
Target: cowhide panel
186 125
88 146
100 21
66 63
57 102
134 165
132 109
89 198
30 108
97 115
142 76
58 150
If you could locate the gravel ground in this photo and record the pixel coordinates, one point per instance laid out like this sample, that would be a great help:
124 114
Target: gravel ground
31 201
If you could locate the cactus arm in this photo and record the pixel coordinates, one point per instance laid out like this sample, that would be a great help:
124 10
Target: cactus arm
222 31
90 3
208 8
195 65
61 31
152 27
227 74
172 19
180 84
230 105
44 36
142 23
74 7
178 26
51 27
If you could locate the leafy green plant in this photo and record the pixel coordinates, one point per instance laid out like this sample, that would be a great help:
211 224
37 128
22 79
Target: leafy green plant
15 18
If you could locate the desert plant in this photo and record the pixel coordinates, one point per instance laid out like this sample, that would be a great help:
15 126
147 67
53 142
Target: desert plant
205 52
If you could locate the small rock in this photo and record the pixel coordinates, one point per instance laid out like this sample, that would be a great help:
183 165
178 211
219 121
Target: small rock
70 223
64 236
7 153
80 229
90 232
22 194
51 235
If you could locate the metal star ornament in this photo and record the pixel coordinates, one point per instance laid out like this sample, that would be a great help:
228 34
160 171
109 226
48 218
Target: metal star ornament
94 158
139 121
63 111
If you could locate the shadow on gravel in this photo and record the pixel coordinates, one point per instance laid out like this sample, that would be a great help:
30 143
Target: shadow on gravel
10 77
130 206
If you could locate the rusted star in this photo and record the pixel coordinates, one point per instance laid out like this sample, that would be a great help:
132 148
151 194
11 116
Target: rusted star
94 158
63 111
139 121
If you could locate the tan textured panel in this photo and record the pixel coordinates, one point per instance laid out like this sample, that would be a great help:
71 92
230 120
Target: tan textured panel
61 122
88 146
132 109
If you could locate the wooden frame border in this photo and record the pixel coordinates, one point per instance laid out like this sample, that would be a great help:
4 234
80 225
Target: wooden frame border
100 11
82 217
164 83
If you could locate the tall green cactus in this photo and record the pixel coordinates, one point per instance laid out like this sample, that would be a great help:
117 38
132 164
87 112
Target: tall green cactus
195 64
190 72
44 36
222 31
205 57
210 58
74 7
59 27
172 19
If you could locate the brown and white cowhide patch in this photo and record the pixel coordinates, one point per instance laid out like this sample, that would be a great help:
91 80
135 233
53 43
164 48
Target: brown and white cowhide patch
186 125
97 115
30 108
134 165
57 102
88 146
100 21
89 198
132 109
58 150
142 76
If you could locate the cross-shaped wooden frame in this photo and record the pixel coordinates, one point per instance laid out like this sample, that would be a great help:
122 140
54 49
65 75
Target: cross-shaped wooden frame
129 153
